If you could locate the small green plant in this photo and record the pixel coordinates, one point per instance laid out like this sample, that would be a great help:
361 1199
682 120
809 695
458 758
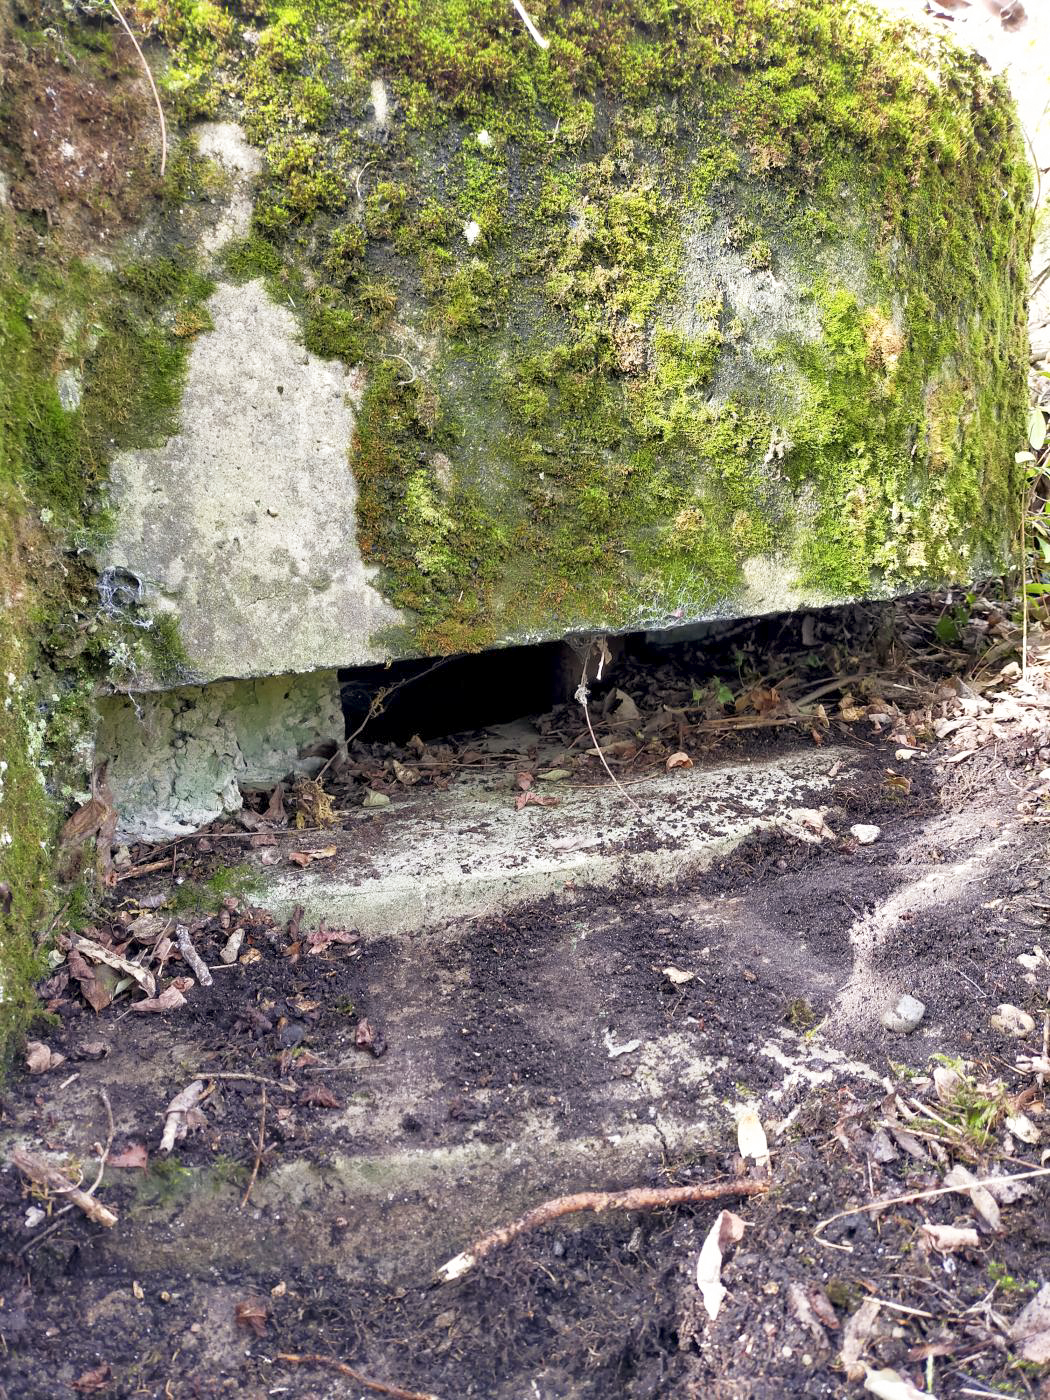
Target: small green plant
972 1109
164 1182
799 1015
1005 1281
1035 523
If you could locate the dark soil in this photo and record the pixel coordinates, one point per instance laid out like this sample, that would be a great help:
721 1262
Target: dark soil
480 1055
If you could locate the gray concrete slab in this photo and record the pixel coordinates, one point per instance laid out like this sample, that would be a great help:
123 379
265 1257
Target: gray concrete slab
444 855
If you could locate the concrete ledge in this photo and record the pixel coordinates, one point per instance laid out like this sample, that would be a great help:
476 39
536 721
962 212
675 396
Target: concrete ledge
468 852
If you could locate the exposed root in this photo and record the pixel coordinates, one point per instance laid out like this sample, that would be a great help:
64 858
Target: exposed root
638 1198
331 1364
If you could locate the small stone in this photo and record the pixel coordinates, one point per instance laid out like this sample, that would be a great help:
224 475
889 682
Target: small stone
1011 1020
375 799
865 835
905 1015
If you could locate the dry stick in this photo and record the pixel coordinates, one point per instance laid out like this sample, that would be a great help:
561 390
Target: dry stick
376 706
153 86
963 1188
527 20
285 1085
44 1174
380 1387
581 696
258 1151
103 1159
191 956
638 1198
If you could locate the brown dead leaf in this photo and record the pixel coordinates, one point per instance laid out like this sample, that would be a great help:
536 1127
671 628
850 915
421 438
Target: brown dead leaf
525 781
856 1335
134 1155
368 1038
983 1200
404 775
317 1096
802 1309
170 999
275 810
252 1315
534 799
1032 1328
305 858
98 1378
679 760
40 1057
95 992
321 938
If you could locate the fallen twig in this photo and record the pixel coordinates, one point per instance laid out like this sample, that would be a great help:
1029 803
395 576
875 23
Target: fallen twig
103 1159
638 1198
153 87
260 1148
286 1085
380 1387
962 1187
583 695
191 956
176 1115
44 1174
150 868
527 21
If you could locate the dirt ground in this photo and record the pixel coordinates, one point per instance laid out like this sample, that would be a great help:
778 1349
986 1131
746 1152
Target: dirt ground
401 1096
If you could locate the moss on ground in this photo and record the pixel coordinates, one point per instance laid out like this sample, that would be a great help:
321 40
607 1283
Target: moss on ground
547 438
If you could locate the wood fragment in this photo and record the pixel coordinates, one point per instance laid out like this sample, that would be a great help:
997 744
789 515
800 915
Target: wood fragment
150 868
44 1174
331 1364
191 956
638 1198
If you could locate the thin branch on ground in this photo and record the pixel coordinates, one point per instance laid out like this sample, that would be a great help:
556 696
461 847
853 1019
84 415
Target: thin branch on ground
153 87
330 1362
963 1188
527 21
103 1159
638 1198
285 1085
259 1150
583 695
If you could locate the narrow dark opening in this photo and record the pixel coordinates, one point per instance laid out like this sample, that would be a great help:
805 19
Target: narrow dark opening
708 661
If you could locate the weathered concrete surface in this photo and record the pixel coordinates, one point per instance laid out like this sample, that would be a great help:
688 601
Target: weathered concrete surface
468 853
178 760
244 524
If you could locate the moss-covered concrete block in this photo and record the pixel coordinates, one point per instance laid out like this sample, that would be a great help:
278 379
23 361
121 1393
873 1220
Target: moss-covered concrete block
698 311
701 310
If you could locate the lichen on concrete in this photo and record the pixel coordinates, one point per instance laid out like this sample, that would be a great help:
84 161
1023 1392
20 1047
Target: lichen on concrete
178 759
